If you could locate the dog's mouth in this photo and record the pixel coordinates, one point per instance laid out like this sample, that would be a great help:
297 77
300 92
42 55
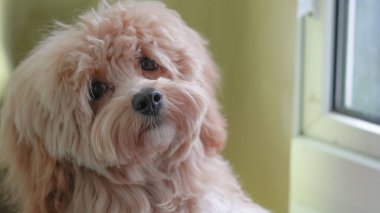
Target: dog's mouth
150 122
156 131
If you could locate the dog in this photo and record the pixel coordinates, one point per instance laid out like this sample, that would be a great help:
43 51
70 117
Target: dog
118 113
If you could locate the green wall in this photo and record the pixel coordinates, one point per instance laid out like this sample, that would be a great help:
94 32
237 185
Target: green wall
253 42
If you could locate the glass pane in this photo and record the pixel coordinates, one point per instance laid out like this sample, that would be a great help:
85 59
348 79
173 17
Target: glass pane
362 65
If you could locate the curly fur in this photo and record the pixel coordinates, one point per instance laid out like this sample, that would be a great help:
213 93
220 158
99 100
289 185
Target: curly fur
66 153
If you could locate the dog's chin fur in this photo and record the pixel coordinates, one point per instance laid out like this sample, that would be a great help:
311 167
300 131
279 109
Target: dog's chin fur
65 151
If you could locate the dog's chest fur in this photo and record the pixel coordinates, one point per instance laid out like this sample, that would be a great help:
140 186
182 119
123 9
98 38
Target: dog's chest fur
192 186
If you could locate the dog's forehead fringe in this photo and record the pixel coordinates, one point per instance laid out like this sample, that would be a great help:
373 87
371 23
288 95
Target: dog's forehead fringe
150 24
126 16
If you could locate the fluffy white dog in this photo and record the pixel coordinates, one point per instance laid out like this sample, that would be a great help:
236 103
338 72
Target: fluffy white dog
117 113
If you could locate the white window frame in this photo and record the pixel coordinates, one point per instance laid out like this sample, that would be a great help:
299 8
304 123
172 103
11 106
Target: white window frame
335 165
318 119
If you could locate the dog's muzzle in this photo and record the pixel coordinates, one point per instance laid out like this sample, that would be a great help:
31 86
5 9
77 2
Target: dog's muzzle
148 101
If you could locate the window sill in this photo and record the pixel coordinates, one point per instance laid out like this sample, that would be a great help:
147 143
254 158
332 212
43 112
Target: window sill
329 178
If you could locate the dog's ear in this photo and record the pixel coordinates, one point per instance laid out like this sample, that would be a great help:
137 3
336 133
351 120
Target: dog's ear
36 181
28 164
213 130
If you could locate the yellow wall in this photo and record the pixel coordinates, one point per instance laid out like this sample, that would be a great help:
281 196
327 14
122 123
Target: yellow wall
28 20
3 56
253 42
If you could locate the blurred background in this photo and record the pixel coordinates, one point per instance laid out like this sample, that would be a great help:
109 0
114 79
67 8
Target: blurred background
253 42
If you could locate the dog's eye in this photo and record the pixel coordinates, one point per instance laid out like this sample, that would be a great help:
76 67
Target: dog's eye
97 90
148 64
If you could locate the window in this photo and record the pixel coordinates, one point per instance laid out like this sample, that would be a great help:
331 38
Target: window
357 59
335 165
326 111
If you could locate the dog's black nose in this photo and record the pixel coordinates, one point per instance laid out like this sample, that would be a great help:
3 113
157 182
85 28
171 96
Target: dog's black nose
148 101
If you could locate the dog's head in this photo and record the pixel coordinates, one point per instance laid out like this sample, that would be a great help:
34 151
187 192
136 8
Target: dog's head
124 84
